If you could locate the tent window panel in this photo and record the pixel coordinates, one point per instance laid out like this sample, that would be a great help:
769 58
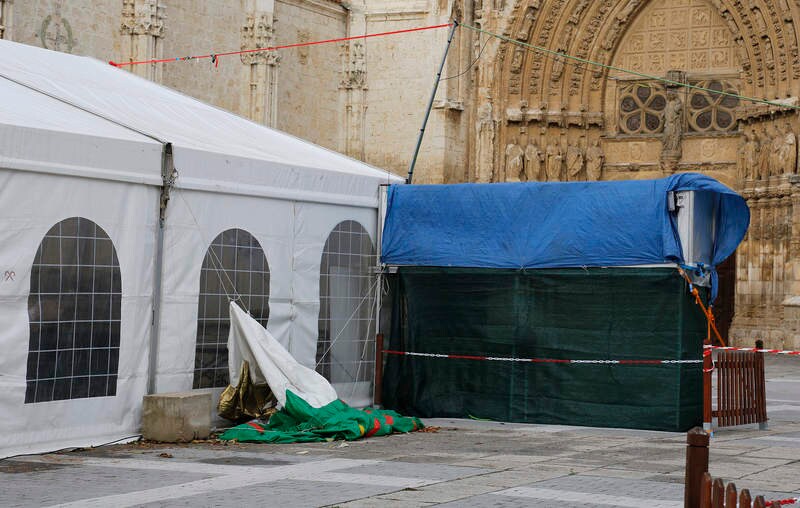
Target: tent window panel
74 311
345 345
234 266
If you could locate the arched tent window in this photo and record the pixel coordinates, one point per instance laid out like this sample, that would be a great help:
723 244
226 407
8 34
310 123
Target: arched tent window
234 266
347 305
74 311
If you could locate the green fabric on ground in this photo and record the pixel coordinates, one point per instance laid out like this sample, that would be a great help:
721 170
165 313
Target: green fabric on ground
299 422
578 314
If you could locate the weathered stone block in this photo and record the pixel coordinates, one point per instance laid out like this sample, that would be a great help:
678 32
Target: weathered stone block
176 417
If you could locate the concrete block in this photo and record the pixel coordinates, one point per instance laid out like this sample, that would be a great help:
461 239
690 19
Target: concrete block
176 417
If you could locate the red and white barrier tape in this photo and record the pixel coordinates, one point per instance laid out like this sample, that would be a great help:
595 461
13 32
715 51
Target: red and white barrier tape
706 353
781 502
770 351
538 360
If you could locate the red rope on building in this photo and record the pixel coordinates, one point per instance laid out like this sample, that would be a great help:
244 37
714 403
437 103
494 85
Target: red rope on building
215 56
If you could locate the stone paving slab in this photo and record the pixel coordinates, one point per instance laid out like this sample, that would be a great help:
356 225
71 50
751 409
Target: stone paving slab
288 493
75 483
466 463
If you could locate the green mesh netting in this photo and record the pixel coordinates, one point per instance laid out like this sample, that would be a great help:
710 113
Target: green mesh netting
596 313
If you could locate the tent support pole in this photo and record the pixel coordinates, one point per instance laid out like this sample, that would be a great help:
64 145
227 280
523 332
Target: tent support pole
430 103
168 175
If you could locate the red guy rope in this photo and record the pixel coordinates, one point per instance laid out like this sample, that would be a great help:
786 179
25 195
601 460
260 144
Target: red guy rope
538 360
215 56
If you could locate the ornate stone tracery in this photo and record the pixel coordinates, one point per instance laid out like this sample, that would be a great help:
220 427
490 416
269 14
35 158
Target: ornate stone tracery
142 28
583 121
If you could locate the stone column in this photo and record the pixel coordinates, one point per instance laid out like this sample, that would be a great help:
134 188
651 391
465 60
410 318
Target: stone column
142 29
353 84
260 71
791 304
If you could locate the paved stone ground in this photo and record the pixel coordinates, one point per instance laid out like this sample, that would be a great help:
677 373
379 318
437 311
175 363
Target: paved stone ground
465 463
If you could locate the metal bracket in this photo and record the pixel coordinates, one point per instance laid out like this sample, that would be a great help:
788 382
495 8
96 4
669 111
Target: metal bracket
168 176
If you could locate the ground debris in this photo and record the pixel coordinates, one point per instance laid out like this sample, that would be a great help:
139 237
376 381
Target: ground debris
430 429
165 455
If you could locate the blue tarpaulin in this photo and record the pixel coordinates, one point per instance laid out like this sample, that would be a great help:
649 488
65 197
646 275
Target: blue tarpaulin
550 225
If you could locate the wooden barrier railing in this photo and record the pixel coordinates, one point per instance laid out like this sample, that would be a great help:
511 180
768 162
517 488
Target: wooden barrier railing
715 494
741 393
701 491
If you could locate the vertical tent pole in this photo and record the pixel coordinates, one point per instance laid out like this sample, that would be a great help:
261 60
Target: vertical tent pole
377 385
168 181
430 103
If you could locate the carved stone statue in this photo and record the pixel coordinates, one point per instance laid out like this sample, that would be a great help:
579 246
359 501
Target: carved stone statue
533 163
484 163
673 126
788 150
764 148
514 163
748 157
575 163
594 161
553 162
775 161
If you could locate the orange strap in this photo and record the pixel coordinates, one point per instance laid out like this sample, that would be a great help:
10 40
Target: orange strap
712 324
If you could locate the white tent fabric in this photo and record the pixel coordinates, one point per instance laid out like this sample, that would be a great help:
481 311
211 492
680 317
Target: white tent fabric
271 363
80 138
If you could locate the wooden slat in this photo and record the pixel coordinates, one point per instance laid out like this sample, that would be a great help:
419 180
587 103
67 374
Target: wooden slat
761 389
759 502
738 372
723 389
744 499
705 491
718 494
730 495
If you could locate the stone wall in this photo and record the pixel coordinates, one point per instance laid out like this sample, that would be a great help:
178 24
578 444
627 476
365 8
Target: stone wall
508 113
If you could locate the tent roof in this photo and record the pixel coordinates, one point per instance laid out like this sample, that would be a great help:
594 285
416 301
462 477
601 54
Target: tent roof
550 225
213 149
40 133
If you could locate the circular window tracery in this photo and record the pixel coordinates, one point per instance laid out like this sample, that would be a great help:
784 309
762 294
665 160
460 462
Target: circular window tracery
710 111
642 108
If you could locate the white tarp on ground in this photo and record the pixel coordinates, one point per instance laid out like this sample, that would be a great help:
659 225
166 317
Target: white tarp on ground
271 363
79 138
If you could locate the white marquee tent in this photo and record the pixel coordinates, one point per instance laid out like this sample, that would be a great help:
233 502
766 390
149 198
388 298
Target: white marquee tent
101 304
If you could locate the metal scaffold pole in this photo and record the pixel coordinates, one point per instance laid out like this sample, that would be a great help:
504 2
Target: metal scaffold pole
430 103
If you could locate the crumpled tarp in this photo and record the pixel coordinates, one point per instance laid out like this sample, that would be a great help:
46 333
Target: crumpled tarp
299 422
246 400
270 363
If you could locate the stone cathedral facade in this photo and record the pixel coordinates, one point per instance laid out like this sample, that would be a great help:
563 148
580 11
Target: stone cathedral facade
503 112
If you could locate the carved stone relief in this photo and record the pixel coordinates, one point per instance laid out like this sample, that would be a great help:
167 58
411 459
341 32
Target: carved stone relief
258 31
554 161
514 162
55 32
575 163
485 130
142 28
594 161
673 128
354 72
534 163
